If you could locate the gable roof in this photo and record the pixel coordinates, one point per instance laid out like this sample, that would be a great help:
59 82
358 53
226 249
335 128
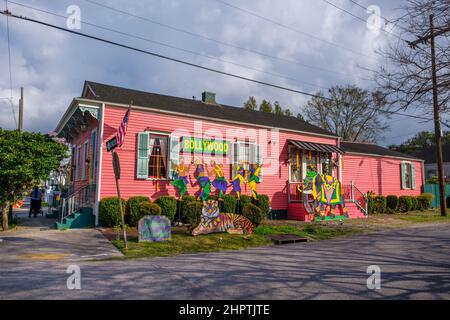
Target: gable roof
107 93
373 149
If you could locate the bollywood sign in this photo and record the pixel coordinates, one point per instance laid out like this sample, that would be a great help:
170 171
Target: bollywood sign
205 146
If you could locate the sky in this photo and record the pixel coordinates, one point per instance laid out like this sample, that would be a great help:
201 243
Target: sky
307 45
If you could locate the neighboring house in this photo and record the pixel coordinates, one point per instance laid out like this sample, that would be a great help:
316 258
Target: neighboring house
381 170
429 155
163 129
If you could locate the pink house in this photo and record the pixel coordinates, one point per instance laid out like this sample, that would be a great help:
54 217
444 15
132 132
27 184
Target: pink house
163 130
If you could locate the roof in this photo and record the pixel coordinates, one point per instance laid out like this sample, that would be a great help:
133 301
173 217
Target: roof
113 94
429 153
373 149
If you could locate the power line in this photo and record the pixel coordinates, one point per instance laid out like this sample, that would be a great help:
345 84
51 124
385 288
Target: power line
193 64
162 56
9 64
292 28
279 75
260 53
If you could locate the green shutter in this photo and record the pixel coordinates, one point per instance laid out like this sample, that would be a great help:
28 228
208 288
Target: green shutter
142 155
174 155
259 160
403 174
413 176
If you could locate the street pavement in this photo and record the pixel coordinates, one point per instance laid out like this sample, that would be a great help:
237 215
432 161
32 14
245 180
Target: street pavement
414 264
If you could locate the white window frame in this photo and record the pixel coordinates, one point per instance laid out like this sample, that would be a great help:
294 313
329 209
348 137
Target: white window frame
94 154
85 157
291 152
408 164
78 163
168 135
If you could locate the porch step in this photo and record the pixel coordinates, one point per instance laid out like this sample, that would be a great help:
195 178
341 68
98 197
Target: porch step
296 211
83 218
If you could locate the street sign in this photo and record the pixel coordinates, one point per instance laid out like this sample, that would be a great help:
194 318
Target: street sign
111 144
116 165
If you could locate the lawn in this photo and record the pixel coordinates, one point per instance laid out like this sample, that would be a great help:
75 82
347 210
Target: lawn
182 242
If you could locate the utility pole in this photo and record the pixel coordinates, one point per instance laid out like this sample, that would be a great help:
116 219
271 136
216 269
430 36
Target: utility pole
21 110
437 120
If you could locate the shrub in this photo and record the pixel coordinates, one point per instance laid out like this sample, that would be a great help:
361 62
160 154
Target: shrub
404 203
433 180
253 213
244 200
193 213
264 204
186 199
109 213
149 209
379 204
133 214
414 203
371 202
212 197
424 201
391 203
168 206
229 203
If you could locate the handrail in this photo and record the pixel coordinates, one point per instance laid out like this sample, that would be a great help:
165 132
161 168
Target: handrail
76 200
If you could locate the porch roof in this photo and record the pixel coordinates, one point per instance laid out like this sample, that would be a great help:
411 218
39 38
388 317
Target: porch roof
313 146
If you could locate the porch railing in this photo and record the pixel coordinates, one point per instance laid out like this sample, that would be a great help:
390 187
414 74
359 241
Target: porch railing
74 201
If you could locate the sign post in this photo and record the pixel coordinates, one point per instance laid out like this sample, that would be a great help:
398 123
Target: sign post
116 167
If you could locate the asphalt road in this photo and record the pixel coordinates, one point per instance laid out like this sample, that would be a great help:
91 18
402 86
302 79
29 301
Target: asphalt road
414 262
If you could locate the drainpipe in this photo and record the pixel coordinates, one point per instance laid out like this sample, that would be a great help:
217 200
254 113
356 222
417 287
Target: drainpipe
99 162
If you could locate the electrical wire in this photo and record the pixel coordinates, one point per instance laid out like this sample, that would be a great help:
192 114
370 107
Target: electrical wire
9 65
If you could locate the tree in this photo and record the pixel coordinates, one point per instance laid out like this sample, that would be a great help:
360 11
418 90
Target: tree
25 159
288 113
277 108
265 106
422 140
300 117
251 103
350 112
407 82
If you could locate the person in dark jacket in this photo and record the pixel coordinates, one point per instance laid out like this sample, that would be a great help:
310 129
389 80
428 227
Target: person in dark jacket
36 202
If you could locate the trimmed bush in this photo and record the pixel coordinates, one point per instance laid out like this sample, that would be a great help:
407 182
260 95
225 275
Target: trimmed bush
414 203
244 200
186 199
371 202
379 205
229 203
149 209
133 214
212 197
193 213
391 203
404 204
264 204
109 213
253 213
168 206
424 201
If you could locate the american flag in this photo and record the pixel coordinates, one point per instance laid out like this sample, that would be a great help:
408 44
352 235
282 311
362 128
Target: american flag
123 128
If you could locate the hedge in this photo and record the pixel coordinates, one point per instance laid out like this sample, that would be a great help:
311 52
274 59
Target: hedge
244 200
253 213
405 203
371 202
193 213
391 203
133 214
149 209
185 200
229 203
168 206
264 204
379 204
414 203
109 212
424 201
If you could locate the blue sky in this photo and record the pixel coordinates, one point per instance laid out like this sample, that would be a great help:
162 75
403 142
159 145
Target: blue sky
53 65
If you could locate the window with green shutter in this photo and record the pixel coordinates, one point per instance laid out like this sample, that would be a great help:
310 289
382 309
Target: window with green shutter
174 155
142 155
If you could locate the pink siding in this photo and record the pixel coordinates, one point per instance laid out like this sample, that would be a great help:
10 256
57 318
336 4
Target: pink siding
381 175
274 185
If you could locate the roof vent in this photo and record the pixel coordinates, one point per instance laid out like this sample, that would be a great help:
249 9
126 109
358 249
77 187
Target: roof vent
209 97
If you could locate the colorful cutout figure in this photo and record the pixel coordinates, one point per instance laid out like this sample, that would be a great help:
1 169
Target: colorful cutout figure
310 203
213 221
180 182
203 180
220 183
237 180
330 195
254 179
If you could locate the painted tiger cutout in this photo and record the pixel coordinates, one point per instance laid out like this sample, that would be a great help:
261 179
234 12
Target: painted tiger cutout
212 221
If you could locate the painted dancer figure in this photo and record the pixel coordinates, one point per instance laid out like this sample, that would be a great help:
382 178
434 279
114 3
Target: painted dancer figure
254 179
203 181
219 182
181 181
237 180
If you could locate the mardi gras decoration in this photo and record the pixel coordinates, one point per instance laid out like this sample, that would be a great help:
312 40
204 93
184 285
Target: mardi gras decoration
237 180
180 182
220 183
203 181
213 221
154 228
254 180
330 195
310 203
